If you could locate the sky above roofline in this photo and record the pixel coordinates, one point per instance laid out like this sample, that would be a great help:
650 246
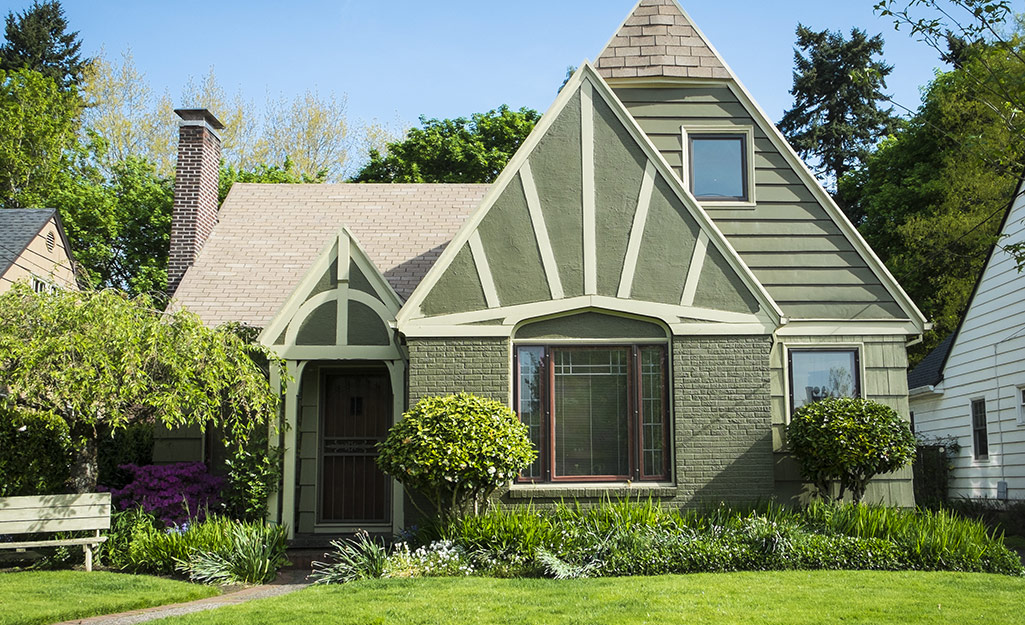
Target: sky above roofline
398 60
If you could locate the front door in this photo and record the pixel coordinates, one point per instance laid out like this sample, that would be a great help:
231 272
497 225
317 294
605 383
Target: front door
357 414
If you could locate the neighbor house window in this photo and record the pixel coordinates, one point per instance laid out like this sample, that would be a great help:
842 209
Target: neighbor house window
594 413
820 373
980 438
1021 405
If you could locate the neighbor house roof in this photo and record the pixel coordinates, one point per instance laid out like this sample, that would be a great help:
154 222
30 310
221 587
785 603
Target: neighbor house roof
18 226
929 372
268 235
659 40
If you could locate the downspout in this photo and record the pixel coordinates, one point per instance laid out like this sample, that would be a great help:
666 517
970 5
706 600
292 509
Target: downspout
1000 423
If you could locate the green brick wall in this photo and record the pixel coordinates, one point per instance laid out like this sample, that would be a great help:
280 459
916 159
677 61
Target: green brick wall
445 366
722 418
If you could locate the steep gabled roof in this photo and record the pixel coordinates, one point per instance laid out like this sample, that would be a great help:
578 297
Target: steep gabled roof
18 226
658 39
532 247
268 236
657 62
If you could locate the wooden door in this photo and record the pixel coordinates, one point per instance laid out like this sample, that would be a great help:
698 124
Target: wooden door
356 416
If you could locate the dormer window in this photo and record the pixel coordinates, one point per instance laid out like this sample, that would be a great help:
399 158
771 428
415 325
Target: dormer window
719 165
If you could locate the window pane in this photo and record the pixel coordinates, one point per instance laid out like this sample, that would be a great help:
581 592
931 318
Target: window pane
979 434
590 412
816 375
652 412
530 408
717 167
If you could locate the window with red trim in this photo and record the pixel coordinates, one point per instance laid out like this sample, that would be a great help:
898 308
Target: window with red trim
594 413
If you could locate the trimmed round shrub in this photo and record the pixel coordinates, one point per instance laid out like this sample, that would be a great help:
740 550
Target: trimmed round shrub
456 450
847 441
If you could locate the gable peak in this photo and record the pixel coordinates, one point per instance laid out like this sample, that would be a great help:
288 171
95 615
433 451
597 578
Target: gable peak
659 40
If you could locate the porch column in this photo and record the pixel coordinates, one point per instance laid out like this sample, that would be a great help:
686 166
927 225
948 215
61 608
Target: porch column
274 443
397 373
290 435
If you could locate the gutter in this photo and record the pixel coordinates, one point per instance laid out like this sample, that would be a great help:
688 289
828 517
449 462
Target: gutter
928 389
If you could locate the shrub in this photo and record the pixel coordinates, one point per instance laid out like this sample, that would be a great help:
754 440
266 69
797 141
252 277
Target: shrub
254 553
132 445
352 559
35 452
848 441
253 473
174 493
456 450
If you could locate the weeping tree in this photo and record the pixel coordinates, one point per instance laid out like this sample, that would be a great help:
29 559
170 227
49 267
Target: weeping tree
101 361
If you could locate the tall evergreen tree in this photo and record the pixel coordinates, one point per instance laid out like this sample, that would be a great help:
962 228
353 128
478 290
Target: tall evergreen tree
838 85
38 39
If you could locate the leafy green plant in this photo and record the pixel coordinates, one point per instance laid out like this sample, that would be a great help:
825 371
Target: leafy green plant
35 452
351 559
456 450
440 558
254 555
253 474
847 441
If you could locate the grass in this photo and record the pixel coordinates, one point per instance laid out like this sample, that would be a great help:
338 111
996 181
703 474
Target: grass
31 597
790 597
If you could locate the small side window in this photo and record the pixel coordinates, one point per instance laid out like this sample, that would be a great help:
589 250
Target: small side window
980 436
1021 405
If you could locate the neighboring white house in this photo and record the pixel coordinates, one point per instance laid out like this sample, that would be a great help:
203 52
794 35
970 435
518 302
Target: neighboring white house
972 386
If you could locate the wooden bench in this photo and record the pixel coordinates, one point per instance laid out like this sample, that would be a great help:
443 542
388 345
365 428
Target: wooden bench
56 513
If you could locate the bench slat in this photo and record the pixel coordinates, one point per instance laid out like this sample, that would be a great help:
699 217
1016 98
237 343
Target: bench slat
51 543
70 512
53 501
55 525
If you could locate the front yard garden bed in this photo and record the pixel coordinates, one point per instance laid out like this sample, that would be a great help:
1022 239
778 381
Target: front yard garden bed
38 597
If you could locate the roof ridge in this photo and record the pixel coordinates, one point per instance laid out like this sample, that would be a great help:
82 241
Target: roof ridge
658 39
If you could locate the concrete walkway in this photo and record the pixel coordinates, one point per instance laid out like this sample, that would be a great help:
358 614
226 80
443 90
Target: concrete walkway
287 581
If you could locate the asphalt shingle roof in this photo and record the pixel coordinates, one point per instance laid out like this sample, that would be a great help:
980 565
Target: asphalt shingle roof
18 226
269 235
929 372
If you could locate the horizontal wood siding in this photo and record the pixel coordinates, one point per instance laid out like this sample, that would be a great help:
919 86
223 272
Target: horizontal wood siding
986 361
794 248
884 365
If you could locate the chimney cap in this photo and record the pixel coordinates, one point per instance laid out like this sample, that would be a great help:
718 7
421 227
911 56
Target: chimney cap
201 115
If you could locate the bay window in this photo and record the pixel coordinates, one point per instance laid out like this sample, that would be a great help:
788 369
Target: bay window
594 413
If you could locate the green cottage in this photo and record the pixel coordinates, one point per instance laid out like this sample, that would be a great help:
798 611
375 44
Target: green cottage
654 283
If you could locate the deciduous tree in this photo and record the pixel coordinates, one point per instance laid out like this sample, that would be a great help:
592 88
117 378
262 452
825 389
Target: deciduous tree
101 360
452 150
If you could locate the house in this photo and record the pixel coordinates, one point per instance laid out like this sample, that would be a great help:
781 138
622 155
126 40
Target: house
971 387
654 282
34 249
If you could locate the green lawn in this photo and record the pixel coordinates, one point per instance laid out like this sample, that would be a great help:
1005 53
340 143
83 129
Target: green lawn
792 597
51 596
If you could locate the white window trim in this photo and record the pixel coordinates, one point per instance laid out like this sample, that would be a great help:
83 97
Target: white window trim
787 347
749 141
971 429
1019 400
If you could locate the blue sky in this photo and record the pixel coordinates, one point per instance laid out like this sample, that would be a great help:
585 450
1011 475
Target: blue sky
399 59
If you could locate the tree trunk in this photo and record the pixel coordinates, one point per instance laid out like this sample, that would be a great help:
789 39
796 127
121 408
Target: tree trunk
85 461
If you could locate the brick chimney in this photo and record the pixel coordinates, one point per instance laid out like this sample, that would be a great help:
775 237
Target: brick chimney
195 190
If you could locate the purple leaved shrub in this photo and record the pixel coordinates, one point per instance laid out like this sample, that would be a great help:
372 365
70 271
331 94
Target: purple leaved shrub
174 493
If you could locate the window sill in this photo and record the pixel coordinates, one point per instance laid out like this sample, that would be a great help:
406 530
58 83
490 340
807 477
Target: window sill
726 204
592 491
